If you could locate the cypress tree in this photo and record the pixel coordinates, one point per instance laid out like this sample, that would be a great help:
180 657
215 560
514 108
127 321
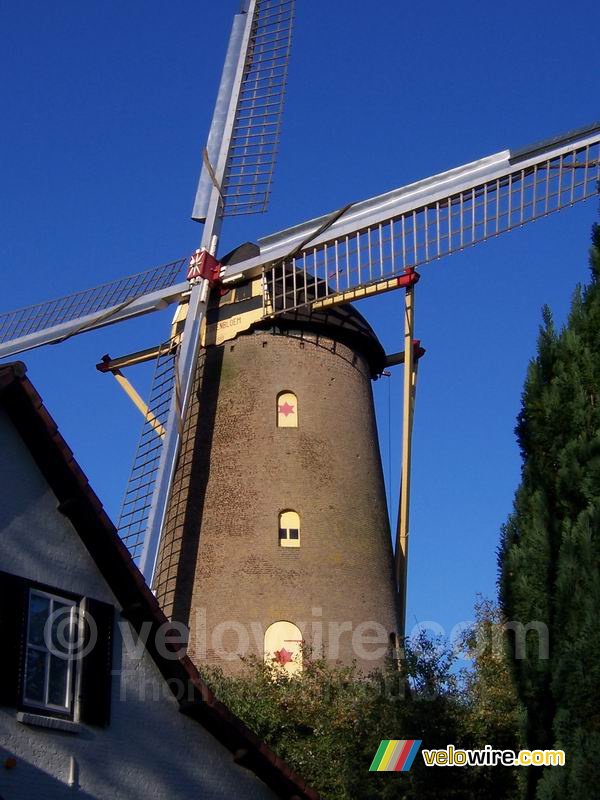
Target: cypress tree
550 551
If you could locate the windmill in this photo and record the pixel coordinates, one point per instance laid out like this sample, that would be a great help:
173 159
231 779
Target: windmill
361 250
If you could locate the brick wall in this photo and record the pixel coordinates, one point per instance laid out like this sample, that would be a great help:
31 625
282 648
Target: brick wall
220 562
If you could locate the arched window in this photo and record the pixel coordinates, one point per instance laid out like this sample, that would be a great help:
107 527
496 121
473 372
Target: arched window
287 410
283 646
289 529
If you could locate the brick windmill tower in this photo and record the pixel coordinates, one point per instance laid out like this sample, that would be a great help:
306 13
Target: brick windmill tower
277 529
256 507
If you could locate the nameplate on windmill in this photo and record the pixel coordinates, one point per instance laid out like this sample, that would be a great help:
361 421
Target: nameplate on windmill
233 313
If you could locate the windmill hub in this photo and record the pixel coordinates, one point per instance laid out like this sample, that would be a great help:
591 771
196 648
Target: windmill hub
204 266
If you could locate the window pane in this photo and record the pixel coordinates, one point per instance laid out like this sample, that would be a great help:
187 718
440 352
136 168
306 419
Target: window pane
282 533
294 533
62 627
39 610
243 292
34 680
59 681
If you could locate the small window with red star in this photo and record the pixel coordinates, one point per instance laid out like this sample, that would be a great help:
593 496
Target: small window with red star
287 410
283 647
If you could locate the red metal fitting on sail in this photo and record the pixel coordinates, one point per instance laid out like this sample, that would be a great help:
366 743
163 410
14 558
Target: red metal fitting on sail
410 277
418 351
203 266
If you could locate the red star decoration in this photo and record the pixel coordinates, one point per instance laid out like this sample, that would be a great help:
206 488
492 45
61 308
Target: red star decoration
286 409
283 656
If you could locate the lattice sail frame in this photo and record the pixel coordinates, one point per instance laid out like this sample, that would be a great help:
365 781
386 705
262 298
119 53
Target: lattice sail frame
86 307
370 259
135 509
252 156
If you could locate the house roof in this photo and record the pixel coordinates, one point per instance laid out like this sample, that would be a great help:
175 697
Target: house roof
79 503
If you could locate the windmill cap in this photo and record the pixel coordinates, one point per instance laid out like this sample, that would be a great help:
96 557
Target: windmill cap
342 323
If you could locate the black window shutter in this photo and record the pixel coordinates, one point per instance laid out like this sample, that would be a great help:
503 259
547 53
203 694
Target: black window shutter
97 665
13 622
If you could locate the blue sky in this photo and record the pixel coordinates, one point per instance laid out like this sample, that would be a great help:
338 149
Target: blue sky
106 107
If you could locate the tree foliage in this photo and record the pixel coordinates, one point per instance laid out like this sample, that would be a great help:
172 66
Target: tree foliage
328 721
550 553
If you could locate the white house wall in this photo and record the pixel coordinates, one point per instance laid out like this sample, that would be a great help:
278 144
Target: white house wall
150 750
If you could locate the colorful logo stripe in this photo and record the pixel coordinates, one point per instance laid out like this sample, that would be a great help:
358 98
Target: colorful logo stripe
395 755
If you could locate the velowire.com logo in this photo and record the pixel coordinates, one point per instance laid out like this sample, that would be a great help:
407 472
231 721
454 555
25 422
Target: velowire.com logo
395 755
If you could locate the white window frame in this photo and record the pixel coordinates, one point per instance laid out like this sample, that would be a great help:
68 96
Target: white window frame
67 710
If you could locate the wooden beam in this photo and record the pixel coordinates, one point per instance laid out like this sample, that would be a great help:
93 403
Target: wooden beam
410 382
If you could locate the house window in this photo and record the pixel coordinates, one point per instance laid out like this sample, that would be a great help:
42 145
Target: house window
283 646
287 410
56 651
289 529
50 666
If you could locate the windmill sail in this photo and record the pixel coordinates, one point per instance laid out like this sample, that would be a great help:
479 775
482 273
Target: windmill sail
137 501
56 320
364 250
244 180
237 171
